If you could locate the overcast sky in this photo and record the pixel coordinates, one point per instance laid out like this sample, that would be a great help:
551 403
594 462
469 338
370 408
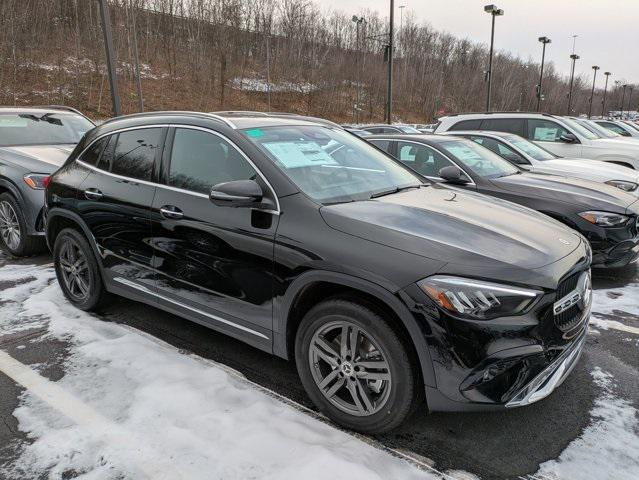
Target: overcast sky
608 30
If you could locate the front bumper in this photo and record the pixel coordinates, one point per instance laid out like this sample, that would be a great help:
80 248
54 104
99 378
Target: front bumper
614 247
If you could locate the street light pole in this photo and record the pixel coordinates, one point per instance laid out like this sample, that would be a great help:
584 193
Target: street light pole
389 91
623 98
603 101
544 41
630 98
574 58
358 21
110 57
494 12
592 92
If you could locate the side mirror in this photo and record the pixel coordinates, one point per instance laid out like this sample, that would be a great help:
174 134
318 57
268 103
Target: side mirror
238 193
454 175
568 138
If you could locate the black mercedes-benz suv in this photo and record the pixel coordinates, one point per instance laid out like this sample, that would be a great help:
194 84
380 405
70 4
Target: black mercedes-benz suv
307 242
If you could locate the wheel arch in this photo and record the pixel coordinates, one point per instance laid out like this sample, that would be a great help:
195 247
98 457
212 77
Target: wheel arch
312 287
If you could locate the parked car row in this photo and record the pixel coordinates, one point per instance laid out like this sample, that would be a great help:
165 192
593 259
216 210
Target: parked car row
398 270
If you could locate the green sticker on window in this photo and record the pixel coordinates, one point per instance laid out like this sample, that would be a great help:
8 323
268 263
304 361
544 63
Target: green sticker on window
254 132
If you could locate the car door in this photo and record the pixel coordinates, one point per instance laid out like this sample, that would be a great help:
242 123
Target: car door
115 202
213 262
547 134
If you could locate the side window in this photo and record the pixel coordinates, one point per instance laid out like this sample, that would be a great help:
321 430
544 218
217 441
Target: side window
614 128
92 154
200 160
135 152
374 130
510 125
500 149
106 158
421 158
545 130
467 125
381 144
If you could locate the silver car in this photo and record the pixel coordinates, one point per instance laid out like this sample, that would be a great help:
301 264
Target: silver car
536 159
34 142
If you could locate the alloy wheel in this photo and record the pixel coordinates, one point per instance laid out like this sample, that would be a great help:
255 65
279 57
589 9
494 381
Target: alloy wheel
75 269
349 368
9 226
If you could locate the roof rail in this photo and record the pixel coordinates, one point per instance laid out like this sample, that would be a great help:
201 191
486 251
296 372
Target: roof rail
238 113
491 113
62 107
177 112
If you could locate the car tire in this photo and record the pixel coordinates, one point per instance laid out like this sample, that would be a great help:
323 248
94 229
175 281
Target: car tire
374 386
13 230
77 270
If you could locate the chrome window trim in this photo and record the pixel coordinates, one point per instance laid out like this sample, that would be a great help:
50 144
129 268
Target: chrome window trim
472 182
144 289
169 187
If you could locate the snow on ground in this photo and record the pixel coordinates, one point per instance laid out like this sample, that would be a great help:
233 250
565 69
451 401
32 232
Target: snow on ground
608 448
254 84
621 302
149 411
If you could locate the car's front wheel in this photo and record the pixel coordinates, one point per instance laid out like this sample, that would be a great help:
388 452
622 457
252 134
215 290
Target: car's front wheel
77 270
355 367
13 229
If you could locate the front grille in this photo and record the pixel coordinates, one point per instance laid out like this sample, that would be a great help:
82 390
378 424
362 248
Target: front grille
570 318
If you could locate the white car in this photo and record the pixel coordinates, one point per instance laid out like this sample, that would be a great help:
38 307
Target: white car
562 136
534 158
621 127
601 131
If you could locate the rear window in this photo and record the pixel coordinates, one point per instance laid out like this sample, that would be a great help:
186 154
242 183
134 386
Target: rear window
467 125
509 125
53 128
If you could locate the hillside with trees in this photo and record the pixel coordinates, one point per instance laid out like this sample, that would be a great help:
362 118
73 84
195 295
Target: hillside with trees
258 55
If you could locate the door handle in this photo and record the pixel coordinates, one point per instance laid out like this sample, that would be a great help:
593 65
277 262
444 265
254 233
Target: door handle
93 194
171 211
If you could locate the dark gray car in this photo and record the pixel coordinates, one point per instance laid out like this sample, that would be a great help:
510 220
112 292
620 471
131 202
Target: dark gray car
34 142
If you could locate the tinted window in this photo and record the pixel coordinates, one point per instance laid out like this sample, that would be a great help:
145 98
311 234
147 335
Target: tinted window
92 154
467 125
510 125
500 149
200 160
421 158
42 128
614 128
135 152
479 160
545 130
382 144
330 165
531 149
375 130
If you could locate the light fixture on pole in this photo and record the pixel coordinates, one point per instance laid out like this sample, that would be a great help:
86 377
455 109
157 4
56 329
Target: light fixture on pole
574 57
494 12
358 21
545 41
592 92
603 100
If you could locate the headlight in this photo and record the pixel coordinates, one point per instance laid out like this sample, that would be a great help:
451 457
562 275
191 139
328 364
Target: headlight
37 181
476 299
626 186
604 219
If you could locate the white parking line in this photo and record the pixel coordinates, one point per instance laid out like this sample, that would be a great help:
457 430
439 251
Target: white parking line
613 324
82 414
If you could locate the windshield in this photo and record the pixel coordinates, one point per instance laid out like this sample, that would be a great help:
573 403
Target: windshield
632 124
598 129
529 148
478 159
583 131
330 165
406 129
20 129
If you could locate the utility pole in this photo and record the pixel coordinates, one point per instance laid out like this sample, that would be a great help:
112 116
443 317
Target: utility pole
137 58
268 69
494 12
389 92
110 57
545 41
603 101
592 92
574 57
623 98
630 97
358 21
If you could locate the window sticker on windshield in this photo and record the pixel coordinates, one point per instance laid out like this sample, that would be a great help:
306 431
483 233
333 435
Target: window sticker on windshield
299 154
13 122
544 133
463 153
255 132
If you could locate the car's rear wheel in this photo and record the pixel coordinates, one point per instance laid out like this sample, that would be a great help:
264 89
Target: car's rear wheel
355 367
77 270
13 229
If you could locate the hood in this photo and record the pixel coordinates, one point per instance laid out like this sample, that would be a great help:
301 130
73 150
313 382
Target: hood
588 169
452 225
570 190
37 158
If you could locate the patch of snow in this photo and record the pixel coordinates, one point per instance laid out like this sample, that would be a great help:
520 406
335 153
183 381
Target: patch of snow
254 84
608 449
164 408
624 299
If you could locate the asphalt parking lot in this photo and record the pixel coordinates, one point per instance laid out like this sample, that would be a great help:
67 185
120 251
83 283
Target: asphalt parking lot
589 428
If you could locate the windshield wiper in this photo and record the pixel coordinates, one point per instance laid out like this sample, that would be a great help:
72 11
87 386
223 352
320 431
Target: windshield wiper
393 190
